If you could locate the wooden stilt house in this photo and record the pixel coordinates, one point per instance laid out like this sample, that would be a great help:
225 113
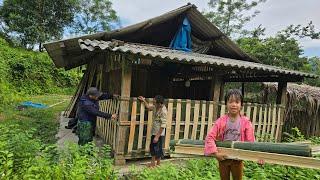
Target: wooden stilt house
137 60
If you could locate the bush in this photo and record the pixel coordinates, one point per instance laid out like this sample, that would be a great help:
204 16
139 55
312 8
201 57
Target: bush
24 156
26 72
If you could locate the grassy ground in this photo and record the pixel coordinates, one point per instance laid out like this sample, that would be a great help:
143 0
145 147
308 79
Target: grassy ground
44 121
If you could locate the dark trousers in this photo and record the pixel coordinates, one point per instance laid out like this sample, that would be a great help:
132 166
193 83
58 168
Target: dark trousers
233 166
85 132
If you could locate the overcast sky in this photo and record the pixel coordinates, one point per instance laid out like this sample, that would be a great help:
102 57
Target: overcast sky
275 15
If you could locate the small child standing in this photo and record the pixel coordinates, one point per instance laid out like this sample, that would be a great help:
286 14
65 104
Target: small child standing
230 127
158 127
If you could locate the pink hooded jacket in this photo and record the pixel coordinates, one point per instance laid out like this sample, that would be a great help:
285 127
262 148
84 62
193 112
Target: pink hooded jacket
217 133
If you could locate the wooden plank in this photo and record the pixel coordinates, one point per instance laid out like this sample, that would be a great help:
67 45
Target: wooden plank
278 124
239 154
149 126
248 112
260 121
178 119
169 120
274 117
187 121
269 123
223 110
217 81
203 120
141 125
210 117
126 74
242 110
264 123
195 120
132 125
254 117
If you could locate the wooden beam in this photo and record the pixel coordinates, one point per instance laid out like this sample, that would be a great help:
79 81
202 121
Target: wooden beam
239 154
263 79
282 93
215 94
124 110
282 99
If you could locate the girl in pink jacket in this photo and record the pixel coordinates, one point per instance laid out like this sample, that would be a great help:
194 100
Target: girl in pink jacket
230 127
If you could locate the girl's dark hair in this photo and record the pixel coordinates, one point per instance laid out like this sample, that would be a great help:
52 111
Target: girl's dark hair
159 99
235 93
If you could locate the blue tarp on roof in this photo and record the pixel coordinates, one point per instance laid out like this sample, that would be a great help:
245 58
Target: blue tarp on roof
182 40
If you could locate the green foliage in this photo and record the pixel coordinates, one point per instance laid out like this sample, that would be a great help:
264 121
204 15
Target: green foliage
208 169
27 150
26 72
294 135
301 32
277 51
315 140
93 16
32 22
231 15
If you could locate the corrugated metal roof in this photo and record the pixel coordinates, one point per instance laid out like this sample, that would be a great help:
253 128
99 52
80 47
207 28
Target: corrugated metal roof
175 55
66 53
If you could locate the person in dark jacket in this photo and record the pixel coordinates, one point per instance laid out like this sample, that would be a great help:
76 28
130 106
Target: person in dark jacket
88 110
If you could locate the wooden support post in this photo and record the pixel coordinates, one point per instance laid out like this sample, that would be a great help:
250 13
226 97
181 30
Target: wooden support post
221 98
215 94
124 111
282 100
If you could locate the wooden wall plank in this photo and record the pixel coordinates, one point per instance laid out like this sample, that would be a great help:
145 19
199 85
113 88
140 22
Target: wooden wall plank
264 123
278 124
195 120
132 124
141 126
149 126
187 122
274 117
203 120
178 119
210 117
254 117
169 122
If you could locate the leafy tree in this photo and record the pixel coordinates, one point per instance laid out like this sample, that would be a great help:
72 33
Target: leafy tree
31 22
229 15
299 31
93 16
277 51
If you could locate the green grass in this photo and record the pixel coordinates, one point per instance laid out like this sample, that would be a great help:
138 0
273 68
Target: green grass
44 121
